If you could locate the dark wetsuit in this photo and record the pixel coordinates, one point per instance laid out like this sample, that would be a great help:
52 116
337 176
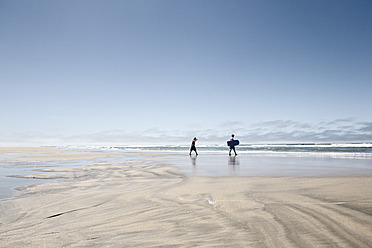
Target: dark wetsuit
232 147
193 147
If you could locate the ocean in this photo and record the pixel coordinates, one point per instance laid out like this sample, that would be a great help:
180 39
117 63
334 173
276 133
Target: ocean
355 150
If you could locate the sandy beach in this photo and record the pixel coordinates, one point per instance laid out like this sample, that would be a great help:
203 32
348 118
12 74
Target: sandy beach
143 201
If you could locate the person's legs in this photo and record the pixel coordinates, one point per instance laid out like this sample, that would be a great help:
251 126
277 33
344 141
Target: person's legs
193 149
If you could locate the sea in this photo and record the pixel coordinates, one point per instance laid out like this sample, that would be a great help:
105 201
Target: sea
354 150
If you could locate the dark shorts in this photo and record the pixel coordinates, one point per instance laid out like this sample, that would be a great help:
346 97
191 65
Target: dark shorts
193 148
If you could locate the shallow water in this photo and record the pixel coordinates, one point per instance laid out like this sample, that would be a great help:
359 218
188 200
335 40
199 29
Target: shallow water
277 166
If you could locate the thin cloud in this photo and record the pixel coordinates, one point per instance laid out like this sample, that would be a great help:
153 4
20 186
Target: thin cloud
280 124
365 127
278 131
232 124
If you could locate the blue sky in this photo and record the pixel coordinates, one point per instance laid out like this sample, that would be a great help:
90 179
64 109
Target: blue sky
164 71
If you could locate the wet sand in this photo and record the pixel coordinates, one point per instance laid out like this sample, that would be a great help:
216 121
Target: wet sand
144 202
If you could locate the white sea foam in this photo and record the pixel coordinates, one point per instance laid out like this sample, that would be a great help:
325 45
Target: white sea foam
344 150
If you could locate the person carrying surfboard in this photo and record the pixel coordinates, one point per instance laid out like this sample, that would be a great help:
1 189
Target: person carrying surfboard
232 146
193 146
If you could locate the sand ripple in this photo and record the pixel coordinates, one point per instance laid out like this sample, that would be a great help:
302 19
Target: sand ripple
149 204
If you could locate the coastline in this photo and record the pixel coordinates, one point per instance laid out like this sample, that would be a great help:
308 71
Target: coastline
143 201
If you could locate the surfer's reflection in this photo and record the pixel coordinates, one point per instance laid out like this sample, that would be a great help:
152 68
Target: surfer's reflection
193 160
233 163
233 160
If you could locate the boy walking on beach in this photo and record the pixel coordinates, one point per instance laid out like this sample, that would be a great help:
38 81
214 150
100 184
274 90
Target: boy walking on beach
233 146
193 147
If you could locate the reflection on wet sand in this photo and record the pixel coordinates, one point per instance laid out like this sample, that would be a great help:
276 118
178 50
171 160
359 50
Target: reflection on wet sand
233 164
193 163
193 160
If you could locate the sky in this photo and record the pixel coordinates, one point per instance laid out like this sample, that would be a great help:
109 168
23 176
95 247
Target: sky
160 72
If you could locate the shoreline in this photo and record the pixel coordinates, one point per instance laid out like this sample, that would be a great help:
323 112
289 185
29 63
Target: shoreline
144 201
21 166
